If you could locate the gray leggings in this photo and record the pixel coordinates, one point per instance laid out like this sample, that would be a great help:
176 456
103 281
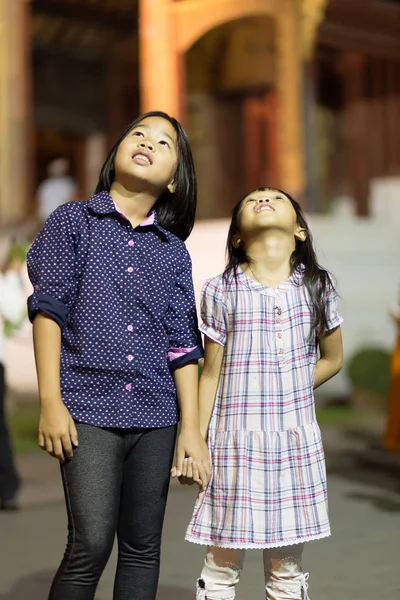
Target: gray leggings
116 483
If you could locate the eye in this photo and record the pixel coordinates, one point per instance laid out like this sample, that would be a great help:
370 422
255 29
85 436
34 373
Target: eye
250 200
138 133
279 198
164 143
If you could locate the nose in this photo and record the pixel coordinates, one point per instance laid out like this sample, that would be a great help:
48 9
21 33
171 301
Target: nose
147 144
261 200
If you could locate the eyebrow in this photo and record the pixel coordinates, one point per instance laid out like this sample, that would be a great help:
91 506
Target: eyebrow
164 133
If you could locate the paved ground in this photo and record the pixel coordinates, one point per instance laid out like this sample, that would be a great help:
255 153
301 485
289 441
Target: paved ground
360 561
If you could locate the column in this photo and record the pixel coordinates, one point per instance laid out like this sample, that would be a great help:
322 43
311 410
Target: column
159 62
16 135
353 73
289 101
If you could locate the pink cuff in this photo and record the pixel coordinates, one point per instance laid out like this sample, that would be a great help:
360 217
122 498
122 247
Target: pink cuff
174 353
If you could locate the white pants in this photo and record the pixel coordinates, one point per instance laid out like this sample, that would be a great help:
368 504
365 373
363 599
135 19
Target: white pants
284 578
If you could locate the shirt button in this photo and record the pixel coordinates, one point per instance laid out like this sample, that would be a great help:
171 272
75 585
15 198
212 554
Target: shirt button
128 387
130 269
279 335
130 328
129 357
281 351
130 243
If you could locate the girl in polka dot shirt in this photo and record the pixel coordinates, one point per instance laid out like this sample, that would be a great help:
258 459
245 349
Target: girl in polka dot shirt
116 346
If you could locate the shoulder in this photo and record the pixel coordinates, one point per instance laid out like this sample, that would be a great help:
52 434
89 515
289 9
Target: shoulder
74 212
176 247
66 221
215 286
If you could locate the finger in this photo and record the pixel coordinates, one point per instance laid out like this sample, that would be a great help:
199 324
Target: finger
41 441
48 444
180 458
203 475
189 471
195 473
207 467
58 449
173 472
73 432
67 446
184 469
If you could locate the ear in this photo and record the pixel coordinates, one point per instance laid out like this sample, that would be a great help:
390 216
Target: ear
236 241
171 187
300 235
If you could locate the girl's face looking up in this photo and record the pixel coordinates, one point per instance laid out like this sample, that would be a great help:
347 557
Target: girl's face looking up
268 209
149 155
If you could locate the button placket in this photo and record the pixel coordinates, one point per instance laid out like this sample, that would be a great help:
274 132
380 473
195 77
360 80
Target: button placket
280 348
129 357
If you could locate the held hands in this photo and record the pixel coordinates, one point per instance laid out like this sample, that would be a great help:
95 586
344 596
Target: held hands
192 462
57 431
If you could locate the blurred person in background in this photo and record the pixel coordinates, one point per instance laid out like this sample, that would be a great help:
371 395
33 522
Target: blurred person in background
57 189
12 313
391 440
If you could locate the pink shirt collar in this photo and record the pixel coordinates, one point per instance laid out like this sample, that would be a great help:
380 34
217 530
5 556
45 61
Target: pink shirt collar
148 221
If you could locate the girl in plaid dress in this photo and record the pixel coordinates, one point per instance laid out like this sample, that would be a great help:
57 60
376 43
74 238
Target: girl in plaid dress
264 321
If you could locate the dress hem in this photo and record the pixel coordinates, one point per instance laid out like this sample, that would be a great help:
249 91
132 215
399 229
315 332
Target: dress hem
244 546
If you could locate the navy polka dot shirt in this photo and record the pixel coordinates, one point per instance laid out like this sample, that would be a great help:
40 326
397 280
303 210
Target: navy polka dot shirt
124 300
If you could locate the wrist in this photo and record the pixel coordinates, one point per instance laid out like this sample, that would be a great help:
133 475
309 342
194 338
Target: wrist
50 399
190 428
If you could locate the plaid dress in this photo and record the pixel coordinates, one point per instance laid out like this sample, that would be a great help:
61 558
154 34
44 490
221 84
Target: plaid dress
268 487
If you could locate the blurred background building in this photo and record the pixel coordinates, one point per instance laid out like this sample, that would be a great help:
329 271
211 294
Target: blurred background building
277 91
300 94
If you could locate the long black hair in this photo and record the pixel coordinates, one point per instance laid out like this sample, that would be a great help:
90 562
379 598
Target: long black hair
317 280
175 211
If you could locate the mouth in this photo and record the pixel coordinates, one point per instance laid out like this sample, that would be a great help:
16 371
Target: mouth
142 157
261 207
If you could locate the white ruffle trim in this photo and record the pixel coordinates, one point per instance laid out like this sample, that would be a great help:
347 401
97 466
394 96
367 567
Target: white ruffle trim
260 546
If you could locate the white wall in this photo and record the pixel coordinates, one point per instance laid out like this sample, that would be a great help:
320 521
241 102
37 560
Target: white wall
363 255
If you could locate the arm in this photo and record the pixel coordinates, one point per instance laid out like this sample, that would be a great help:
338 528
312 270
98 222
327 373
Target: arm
331 356
57 431
190 443
209 379
51 268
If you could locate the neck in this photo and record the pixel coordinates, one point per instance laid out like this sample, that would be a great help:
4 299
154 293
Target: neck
134 205
269 255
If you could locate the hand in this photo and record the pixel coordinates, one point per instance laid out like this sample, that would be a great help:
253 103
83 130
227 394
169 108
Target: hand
190 473
57 431
192 446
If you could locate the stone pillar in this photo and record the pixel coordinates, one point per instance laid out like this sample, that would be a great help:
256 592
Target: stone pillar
352 68
159 62
289 100
15 126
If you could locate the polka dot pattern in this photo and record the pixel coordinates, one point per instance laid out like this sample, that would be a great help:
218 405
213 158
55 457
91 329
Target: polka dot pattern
124 299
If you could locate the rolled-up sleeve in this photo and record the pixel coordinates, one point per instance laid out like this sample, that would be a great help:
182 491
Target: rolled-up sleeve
181 320
214 314
51 265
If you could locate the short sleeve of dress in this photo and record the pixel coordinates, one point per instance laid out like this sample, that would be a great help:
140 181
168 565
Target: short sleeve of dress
51 265
334 319
214 314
